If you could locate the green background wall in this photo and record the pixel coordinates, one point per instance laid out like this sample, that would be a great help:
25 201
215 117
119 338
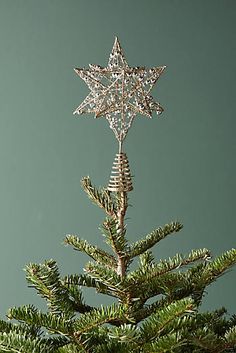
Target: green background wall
184 162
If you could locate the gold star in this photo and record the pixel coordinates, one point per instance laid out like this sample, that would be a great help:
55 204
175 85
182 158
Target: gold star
119 92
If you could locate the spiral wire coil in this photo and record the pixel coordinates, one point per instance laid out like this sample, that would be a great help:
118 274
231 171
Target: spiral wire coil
120 179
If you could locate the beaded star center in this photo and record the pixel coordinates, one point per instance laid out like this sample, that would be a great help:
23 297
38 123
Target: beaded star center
119 92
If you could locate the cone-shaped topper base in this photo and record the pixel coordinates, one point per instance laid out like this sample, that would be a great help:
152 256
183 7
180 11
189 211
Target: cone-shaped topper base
120 179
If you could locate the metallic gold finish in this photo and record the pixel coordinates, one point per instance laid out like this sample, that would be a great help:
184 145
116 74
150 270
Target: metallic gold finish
118 92
120 180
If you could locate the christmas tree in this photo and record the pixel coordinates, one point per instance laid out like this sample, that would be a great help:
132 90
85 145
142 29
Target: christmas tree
156 304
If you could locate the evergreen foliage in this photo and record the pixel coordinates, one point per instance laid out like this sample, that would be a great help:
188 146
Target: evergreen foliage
156 304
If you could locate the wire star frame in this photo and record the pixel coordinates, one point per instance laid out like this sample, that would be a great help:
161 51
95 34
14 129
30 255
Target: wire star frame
119 92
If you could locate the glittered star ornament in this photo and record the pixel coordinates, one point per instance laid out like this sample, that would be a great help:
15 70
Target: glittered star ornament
119 92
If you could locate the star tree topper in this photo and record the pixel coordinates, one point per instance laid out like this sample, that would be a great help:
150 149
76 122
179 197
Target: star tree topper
119 92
